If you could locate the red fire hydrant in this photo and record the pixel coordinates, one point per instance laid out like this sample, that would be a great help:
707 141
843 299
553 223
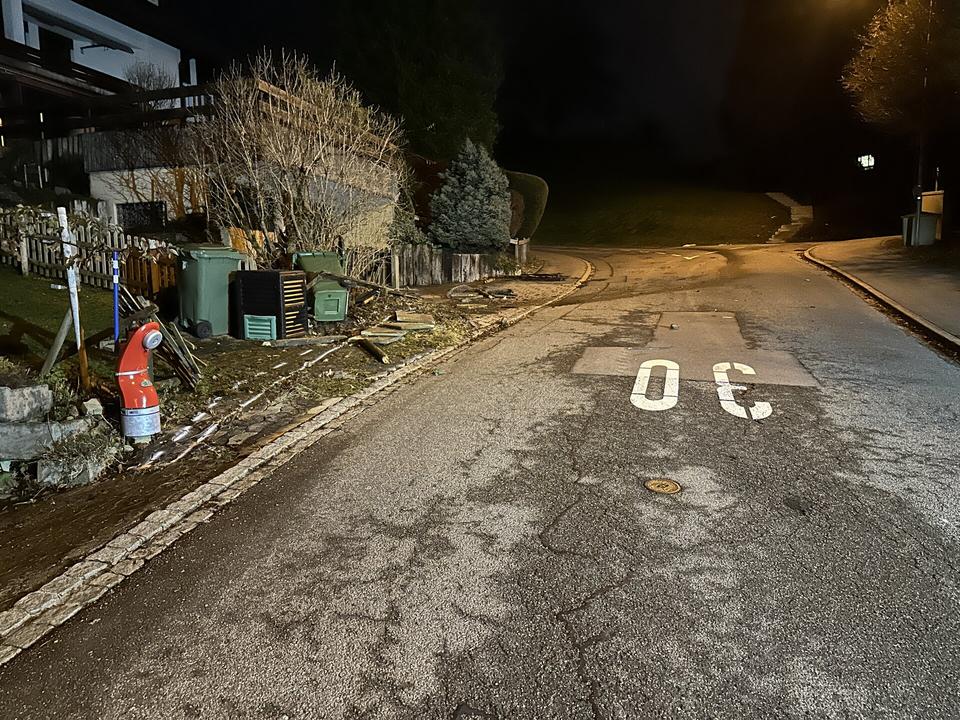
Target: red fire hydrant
140 411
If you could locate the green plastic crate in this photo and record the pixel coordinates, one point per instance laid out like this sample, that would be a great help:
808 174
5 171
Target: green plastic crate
330 300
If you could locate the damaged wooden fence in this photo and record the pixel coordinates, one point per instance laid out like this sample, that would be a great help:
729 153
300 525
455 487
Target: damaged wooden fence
426 265
147 265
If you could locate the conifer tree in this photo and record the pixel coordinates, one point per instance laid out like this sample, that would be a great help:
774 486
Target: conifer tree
471 211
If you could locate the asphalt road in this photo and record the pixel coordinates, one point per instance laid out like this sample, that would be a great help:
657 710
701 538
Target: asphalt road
480 544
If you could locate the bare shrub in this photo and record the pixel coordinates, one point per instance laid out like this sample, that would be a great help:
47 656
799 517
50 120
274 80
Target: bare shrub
297 161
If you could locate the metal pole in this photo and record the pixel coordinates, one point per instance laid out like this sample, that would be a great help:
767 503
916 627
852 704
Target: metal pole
921 140
57 346
116 299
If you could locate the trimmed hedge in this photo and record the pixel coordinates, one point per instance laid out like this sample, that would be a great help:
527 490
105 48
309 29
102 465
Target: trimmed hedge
535 192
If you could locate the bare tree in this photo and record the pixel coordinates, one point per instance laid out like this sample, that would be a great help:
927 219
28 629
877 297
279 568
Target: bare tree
149 76
297 160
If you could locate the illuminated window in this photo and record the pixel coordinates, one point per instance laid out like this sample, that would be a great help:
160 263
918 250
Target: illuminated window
867 162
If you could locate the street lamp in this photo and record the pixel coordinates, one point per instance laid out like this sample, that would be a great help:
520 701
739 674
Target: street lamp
923 124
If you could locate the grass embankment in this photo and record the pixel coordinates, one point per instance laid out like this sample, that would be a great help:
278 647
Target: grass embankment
31 312
649 214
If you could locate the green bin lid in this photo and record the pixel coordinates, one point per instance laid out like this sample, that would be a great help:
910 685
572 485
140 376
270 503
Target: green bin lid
200 251
319 261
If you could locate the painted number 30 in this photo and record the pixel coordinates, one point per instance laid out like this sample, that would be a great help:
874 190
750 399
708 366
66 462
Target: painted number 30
671 389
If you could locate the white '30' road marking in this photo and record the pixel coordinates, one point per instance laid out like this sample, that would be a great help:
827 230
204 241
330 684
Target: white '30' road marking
671 386
759 411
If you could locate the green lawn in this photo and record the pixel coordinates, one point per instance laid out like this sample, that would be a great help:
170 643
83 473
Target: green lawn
31 312
648 214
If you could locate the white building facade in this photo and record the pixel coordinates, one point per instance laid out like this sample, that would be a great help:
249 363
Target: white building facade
66 33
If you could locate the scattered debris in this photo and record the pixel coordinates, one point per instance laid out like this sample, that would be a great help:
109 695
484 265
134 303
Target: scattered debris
408 327
497 293
347 281
373 350
409 317
9 485
541 277
468 291
174 349
368 297
93 408
182 433
386 339
463 291
674 326
663 486
381 332
305 341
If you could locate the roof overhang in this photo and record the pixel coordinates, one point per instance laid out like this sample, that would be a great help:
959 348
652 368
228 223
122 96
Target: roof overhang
53 22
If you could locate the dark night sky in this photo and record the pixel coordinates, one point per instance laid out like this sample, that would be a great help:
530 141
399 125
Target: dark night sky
637 64
652 60
614 71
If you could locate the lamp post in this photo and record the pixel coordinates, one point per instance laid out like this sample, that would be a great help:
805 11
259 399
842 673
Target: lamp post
923 125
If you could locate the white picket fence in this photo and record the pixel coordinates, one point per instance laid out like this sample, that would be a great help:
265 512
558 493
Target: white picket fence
147 265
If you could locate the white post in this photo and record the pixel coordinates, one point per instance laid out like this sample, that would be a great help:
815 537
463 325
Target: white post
69 247
24 255
395 268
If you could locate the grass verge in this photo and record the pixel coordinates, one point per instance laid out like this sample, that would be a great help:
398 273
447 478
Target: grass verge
648 214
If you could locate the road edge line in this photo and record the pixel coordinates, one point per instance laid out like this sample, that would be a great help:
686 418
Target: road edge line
944 336
34 615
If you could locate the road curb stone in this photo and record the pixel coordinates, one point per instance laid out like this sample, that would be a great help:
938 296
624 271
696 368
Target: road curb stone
37 613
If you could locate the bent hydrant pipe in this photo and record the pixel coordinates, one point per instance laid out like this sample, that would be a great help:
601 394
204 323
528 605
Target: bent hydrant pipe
140 410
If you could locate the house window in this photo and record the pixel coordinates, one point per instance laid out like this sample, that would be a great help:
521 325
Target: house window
142 215
867 162
56 51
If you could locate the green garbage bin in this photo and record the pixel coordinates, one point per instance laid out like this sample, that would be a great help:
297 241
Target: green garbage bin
329 297
203 284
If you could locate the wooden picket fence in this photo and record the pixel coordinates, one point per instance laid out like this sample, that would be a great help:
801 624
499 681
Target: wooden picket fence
147 265
427 265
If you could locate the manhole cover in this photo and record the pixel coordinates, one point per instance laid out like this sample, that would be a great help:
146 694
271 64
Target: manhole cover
663 487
